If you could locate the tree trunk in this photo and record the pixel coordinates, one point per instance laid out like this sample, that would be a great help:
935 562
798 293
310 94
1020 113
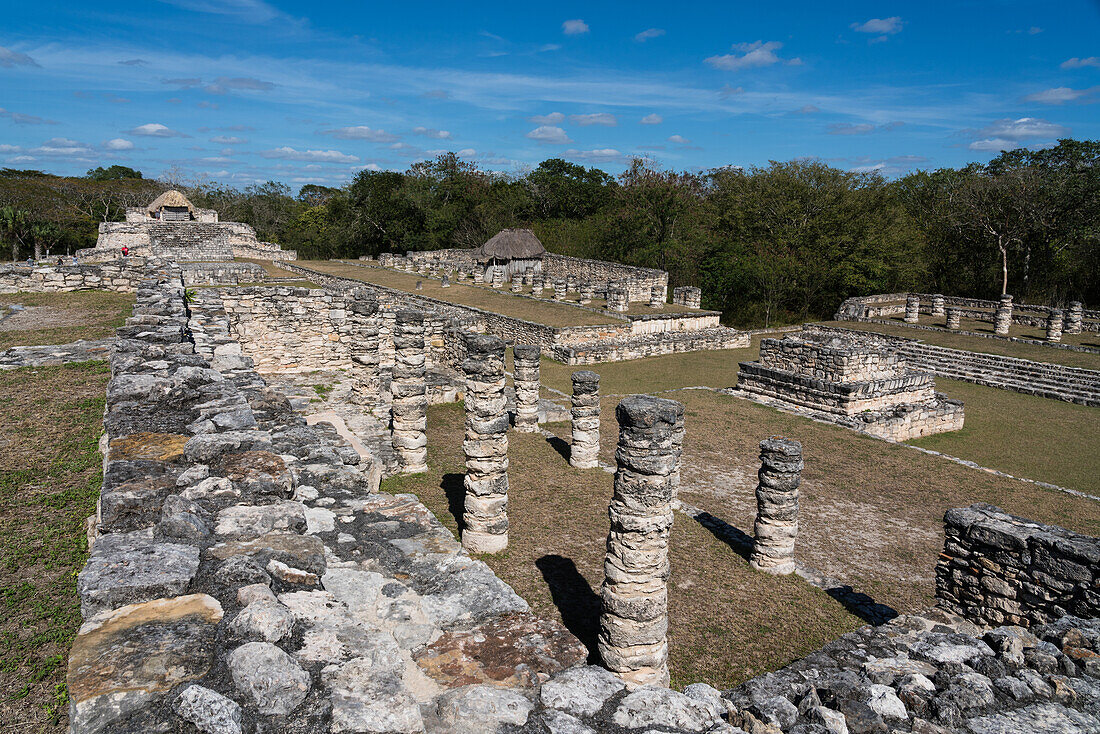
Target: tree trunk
1004 269
37 249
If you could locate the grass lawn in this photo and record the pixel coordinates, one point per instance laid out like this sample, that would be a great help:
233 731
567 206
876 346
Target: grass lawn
727 621
50 476
950 339
271 270
61 318
483 297
1024 435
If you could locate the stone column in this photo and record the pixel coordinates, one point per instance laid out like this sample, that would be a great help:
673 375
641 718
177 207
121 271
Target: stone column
1054 325
633 626
536 285
617 297
693 297
1002 319
525 373
656 297
954 317
409 265
937 305
446 281
559 290
498 277
777 506
571 283
912 309
485 517
1074 317
517 283
585 448
410 401
588 291
461 274
386 351
364 350
479 273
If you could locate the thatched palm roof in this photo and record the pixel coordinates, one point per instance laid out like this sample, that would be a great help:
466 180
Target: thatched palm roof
511 244
171 198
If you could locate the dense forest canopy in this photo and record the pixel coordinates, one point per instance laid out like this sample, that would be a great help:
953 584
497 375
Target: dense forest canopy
772 244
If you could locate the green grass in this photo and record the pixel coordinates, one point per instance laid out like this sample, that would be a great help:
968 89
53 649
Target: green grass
62 318
50 477
1036 352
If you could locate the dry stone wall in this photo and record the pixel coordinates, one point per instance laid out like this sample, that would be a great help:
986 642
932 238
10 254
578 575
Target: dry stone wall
121 275
182 241
221 273
997 568
894 304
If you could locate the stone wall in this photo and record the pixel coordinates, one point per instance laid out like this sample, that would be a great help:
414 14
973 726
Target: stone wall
892 304
221 273
997 568
120 275
624 348
1048 380
182 241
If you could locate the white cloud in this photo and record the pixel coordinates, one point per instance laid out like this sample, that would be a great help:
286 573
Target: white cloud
595 118
728 91
1059 95
755 54
652 119
649 33
1076 63
218 159
574 27
549 134
20 118
602 155
228 140
554 118
429 132
467 153
250 11
1025 127
993 144
64 147
678 139
549 47
156 130
887 26
5 148
361 132
868 169
323 156
1034 30
118 144
9 58
863 128
370 167
223 84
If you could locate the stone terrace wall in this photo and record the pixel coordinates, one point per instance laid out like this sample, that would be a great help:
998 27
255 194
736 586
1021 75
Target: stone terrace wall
639 281
121 275
221 273
997 568
1058 382
636 347
183 241
823 356
893 304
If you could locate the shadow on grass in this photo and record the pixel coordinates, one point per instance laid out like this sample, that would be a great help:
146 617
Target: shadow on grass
856 603
455 490
560 445
577 603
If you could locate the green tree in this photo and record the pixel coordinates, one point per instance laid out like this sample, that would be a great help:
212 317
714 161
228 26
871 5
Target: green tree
112 173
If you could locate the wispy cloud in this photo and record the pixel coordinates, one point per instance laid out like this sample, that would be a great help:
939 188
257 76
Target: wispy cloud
595 118
64 148
361 132
156 130
887 26
597 155
652 119
863 128
228 140
118 144
224 84
1008 134
133 62
1060 95
554 118
752 55
574 27
680 139
249 11
1076 63
320 156
430 132
807 109
549 134
9 58
20 118
649 33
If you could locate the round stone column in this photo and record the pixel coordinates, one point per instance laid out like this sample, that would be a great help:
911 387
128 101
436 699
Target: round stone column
1002 318
912 309
525 372
777 506
617 297
410 401
498 277
954 317
536 285
588 291
479 273
937 305
585 448
1075 316
485 517
633 639
1054 325
656 297
559 290
364 348
571 283
517 283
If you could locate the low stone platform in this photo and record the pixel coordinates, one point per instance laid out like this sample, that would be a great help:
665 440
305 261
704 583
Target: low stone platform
857 383
52 355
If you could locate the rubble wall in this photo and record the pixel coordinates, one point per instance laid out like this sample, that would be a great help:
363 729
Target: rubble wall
120 275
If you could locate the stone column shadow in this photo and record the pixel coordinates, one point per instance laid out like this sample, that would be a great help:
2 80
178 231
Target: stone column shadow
577 603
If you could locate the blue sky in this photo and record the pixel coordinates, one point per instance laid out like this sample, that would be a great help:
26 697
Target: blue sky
242 91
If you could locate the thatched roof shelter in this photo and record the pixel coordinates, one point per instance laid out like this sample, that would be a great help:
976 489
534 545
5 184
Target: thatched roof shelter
511 244
171 199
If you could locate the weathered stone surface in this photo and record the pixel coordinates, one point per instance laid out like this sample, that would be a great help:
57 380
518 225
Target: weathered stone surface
366 699
584 451
125 568
409 419
482 709
777 506
268 678
122 660
513 650
485 515
300 551
581 691
148 446
657 706
525 372
252 521
265 620
209 711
